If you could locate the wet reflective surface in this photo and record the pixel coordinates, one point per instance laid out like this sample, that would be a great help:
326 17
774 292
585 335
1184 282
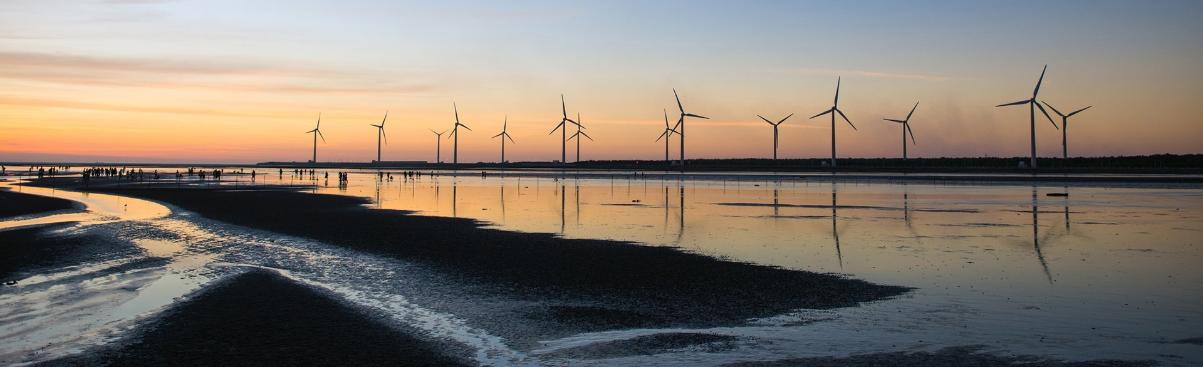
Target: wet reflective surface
1105 272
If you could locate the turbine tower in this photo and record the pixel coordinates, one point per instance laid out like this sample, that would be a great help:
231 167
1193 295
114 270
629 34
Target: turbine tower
775 124
681 124
455 135
668 132
504 135
577 135
835 109
380 133
563 131
906 128
1032 106
1064 127
438 145
317 131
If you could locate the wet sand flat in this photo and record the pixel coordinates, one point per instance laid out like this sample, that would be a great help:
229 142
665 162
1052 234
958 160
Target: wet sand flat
261 319
27 249
626 285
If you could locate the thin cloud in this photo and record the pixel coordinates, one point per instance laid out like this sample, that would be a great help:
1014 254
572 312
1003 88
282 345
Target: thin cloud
165 73
79 105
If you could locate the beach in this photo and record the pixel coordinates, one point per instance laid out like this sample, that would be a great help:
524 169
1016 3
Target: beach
266 267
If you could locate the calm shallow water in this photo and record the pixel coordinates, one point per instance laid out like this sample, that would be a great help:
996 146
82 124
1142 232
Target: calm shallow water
1107 272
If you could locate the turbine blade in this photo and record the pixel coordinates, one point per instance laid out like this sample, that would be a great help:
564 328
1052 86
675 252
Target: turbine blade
908 116
563 106
384 119
837 92
553 130
1050 118
679 106
893 120
909 132
456 111
845 118
662 134
765 120
385 134
495 136
1038 82
1076 112
665 118
823 113
507 136
786 118
698 116
1014 103
319 134
435 132
1049 105
466 127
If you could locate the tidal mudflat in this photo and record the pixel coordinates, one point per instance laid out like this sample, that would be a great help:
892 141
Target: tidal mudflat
536 270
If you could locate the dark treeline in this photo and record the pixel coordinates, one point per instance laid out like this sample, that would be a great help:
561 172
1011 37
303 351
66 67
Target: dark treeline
1164 163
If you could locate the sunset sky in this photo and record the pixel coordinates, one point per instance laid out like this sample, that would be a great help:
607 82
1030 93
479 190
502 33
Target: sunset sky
241 81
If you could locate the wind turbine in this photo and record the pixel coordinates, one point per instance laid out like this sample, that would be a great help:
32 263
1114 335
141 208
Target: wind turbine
666 135
563 131
775 124
1064 127
835 108
504 135
317 131
906 128
438 145
380 133
455 134
681 124
1032 106
578 136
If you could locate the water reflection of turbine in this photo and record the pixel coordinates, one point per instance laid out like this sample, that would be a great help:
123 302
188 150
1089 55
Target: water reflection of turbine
835 233
502 186
378 194
454 207
906 212
1066 203
1036 238
562 203
577 196
681 226
666 208
776 204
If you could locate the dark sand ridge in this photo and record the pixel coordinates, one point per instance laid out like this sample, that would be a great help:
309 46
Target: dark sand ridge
572 285
14 204
948 357
262 319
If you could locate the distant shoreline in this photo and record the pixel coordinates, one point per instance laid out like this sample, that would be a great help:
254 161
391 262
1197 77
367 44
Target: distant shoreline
1189 164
